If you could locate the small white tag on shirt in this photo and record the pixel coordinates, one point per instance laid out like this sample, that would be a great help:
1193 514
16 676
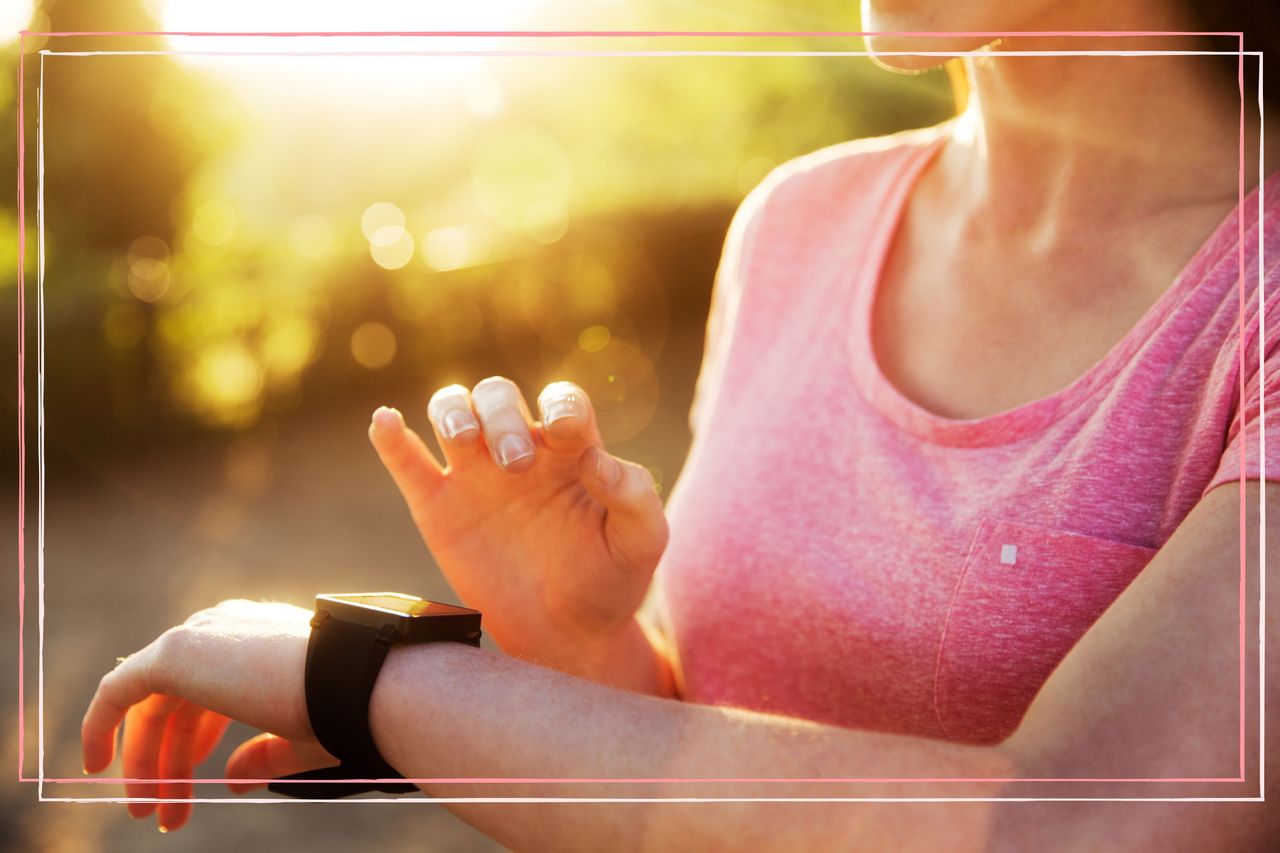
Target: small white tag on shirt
1008 554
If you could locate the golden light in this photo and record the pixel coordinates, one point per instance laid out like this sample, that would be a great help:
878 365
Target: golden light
523 179
214 222
594 338
148 268
288 345
752 172
311 236
460 323
14 16
245 57
391 247
454 247
380 215
222 383
412 301
483 95
373 345
622 383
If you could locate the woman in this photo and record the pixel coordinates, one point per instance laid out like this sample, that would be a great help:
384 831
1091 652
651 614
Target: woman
962 387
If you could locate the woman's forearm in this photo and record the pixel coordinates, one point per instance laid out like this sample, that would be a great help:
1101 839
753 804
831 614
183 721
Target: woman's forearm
446 711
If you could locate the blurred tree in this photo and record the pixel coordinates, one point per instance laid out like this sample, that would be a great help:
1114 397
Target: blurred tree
206 264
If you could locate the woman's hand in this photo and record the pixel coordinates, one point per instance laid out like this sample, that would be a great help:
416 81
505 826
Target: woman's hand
533 523
239 660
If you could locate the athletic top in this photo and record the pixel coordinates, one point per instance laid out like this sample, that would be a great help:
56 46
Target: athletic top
841 554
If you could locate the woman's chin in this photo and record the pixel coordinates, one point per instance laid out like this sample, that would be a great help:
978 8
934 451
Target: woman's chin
904 53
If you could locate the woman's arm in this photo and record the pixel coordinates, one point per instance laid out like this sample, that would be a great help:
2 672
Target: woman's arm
1153 691
449 711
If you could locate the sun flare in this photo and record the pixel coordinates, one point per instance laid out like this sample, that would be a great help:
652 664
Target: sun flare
376 64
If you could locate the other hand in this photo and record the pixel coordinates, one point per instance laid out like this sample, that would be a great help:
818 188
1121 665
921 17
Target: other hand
532 522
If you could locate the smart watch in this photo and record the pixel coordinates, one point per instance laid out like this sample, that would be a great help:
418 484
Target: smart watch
351 635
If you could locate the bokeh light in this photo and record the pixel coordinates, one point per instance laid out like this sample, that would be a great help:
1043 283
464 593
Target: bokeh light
594 338
373 345
288 345
148 268
622 383
379 216
454 247
391 247
222 383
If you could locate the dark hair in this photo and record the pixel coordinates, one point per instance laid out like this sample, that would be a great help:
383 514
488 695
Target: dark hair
1259 20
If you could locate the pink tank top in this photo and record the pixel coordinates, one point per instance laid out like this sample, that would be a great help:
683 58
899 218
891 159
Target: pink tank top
905 572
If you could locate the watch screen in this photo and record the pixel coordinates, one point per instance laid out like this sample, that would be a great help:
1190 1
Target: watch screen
405 604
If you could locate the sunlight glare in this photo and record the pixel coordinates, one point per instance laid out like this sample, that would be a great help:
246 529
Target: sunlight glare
14 16
387 77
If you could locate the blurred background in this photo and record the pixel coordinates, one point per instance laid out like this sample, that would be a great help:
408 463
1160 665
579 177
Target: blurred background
245 255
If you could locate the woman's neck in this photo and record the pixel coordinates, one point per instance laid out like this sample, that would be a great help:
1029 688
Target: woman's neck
1049 142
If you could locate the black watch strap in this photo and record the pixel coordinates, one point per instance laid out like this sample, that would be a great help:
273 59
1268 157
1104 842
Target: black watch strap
312 784
343 662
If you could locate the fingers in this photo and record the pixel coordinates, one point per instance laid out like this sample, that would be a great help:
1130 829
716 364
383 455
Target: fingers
411 465
568 418
267 757
455 425
635 526
494 410
118 691
504 419
144 730
177 761
212 728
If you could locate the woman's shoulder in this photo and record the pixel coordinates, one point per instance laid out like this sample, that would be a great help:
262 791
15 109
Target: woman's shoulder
835 179
833 169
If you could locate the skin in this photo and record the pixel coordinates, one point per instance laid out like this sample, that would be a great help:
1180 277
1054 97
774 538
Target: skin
1042 165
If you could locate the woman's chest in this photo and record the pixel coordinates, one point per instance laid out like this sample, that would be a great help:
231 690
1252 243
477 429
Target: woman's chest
963 344
851 575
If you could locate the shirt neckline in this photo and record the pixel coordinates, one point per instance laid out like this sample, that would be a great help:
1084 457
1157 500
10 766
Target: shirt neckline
1012 424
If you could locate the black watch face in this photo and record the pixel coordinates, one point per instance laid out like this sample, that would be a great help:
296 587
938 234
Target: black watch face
408 617
403 605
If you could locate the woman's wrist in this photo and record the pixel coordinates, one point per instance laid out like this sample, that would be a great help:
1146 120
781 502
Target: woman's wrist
397 696
629 658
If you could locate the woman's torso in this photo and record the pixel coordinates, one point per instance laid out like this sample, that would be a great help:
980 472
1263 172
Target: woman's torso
842 554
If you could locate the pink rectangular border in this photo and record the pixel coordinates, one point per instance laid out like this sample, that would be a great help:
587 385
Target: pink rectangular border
610 34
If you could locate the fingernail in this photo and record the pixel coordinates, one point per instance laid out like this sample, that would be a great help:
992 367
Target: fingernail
386 418
456 422
607 470
560 408
512 448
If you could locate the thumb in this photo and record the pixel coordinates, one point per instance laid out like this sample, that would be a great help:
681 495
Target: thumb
635 526
268 756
